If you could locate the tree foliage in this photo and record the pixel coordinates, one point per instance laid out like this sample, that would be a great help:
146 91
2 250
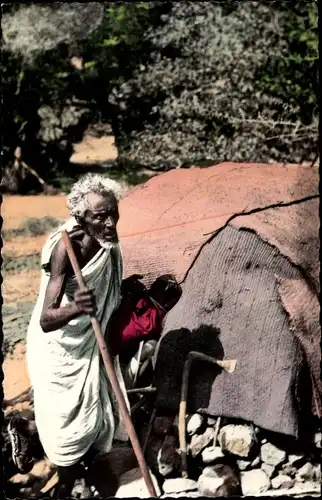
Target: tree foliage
225 81
48 97
180 82
34 29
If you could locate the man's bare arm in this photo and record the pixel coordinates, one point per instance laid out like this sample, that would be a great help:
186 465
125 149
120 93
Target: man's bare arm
53 315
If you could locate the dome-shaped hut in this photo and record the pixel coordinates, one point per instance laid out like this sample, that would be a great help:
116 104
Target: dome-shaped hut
243 239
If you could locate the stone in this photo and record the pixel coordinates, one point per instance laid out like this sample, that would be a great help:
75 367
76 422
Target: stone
244 464
218 480
282 481
195 424
200 441
210 486
268 469
256 462
305 473
317 473
238 440
289 469
317 439
168 458
295 459
179 485
298 490
272 455
254 482
132 485
185 494
211 454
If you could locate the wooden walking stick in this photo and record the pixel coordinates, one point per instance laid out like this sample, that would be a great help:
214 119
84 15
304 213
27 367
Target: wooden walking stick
111 373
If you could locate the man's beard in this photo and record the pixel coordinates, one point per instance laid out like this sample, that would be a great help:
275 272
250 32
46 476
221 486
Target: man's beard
107 245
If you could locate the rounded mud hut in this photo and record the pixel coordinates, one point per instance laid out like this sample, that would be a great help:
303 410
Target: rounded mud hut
243 240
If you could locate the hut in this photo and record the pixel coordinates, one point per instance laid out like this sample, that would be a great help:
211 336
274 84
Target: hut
243 240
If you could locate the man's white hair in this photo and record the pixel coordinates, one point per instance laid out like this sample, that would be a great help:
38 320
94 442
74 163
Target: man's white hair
90 183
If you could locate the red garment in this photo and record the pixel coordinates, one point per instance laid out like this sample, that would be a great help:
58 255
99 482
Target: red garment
131 324
144 320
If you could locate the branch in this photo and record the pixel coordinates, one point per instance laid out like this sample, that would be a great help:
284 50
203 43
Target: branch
19 162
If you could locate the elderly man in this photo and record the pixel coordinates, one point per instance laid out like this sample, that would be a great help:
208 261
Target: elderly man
75 409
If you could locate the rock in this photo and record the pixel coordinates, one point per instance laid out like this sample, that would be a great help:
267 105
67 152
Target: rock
268 469
168 458
239 440
282 481
256 462
305 473
179 485
185 494
162 425
211 454
218 480
272 455
210 486
295 459
244 464
299 490
195 424
317 439
200 441
317 473
132 485
254 482
289 470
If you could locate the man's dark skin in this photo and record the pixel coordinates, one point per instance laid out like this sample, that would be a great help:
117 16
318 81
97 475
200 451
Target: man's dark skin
99 222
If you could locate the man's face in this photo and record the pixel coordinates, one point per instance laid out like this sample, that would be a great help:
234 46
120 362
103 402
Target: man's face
101 218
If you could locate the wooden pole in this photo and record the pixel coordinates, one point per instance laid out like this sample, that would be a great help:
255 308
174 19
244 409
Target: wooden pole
228 365
111 374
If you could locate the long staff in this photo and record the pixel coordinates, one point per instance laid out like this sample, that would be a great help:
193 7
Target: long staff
111 373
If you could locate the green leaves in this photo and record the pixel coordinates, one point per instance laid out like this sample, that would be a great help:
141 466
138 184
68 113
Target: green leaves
217 83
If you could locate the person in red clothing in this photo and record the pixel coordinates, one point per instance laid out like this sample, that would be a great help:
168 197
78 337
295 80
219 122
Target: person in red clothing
140 318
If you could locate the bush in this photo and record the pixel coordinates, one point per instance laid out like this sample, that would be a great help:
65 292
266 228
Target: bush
211 90
34 226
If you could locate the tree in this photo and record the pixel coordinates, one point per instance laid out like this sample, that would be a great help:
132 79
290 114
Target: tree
59 64
218 86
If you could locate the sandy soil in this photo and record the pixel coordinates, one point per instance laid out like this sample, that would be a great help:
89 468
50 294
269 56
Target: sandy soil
95 150
16 209
16 380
